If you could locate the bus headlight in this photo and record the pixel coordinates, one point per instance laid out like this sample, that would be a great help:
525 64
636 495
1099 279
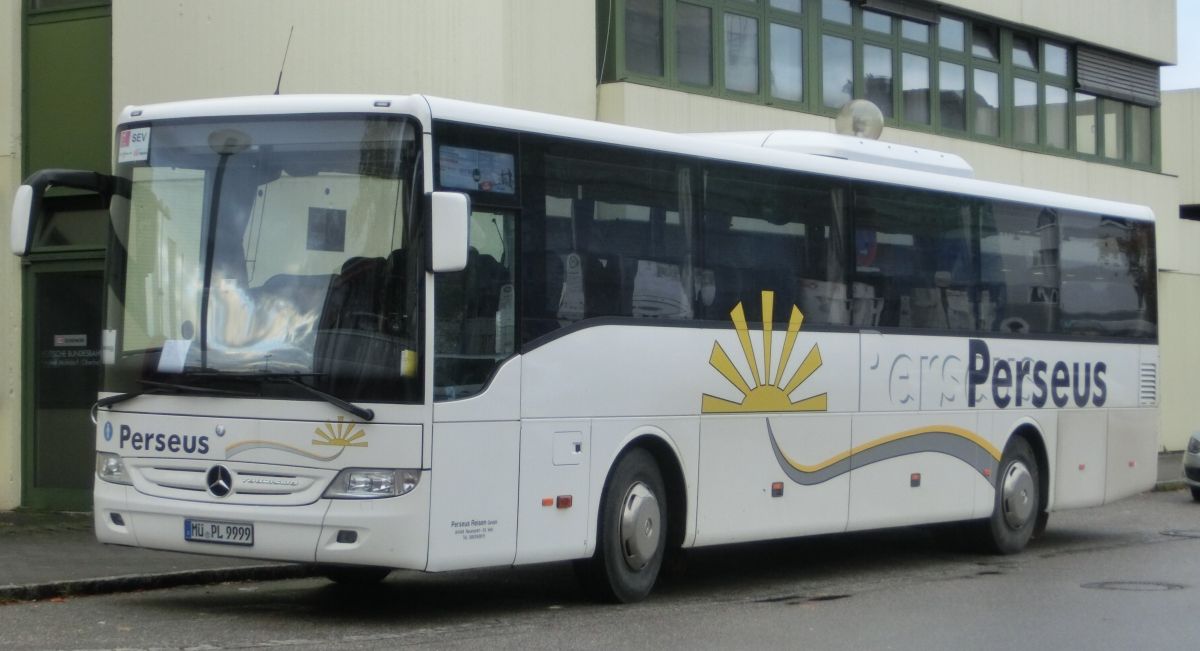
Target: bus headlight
366 483
110 468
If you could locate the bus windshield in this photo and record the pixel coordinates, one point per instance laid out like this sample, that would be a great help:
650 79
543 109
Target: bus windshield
267 248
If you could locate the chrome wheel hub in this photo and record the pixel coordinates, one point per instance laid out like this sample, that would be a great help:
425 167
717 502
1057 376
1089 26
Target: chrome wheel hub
640 526
1017 495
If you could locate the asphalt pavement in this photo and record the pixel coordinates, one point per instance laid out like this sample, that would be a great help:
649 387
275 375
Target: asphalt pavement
48 555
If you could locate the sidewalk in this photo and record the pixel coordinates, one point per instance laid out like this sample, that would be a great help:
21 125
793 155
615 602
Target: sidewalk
46 555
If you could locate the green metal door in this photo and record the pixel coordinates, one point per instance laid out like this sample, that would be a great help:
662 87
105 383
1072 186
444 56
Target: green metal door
62 362
67 123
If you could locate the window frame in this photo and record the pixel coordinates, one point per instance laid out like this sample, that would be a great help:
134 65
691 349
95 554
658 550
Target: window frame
813 27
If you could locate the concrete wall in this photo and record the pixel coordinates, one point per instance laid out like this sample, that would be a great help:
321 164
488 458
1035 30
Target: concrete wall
1145 28
1179 357
10 267
1181 141
533 54
1179 284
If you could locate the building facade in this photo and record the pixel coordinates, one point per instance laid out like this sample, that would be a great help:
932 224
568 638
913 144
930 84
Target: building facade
1059 95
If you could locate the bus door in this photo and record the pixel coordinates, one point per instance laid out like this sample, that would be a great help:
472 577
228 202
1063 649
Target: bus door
477 382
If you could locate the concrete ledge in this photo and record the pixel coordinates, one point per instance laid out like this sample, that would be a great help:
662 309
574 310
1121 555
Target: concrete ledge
134 582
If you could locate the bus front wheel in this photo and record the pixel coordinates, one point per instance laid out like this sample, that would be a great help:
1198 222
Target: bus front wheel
632 531
1017 503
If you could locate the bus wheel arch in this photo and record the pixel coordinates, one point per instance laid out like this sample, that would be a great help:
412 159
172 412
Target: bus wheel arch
1018 501
1033 436
632 541
676 488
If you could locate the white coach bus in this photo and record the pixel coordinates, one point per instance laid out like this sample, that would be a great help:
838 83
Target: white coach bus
407 332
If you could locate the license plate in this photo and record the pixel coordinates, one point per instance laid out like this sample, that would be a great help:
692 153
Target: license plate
213 531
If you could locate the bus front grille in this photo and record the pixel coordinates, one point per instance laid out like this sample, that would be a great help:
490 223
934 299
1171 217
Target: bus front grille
251 483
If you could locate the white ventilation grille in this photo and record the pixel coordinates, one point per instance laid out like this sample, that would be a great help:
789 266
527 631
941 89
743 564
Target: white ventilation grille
1148 385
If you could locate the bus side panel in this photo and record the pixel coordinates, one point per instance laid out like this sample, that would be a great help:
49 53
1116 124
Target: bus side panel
913 468
1132 452
555 466
1082 454
738 465
473 505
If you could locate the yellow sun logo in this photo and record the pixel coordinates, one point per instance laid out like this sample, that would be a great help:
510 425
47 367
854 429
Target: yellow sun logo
768 394
341 434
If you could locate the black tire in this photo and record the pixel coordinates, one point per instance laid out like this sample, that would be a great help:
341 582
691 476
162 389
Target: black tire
355 575
632 535
1196 493
1017 506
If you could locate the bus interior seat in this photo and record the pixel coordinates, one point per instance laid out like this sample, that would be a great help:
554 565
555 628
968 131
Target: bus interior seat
728 289
824 301
350 347
484 277
602 281
352 301
582 285
865 307
658 291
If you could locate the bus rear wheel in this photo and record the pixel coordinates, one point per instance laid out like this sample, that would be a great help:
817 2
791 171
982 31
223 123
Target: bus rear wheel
632 531
1017 503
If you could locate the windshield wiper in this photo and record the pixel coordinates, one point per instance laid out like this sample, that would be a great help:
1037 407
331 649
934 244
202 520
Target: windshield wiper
158 388
288 378
294 380
364 413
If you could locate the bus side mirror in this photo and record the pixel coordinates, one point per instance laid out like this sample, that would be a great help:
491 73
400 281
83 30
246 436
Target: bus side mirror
28 204
449 231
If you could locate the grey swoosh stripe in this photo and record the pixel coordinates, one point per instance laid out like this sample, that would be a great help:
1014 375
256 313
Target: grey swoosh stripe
946 443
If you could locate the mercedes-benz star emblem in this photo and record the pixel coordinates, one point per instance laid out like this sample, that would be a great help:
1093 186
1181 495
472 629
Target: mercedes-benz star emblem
219 480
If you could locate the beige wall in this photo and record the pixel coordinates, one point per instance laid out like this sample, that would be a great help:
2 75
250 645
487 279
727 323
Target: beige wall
1181 141
535 54
1180 292
1142 27
1179 357
10 267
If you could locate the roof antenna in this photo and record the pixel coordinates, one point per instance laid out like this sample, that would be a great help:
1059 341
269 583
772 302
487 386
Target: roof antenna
284 62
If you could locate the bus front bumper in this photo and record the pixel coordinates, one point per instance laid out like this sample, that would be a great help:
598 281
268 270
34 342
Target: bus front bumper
390 532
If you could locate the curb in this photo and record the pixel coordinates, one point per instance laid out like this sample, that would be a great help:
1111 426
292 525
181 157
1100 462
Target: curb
134 582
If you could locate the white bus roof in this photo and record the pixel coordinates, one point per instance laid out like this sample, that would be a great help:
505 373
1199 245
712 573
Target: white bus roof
863 150
737 147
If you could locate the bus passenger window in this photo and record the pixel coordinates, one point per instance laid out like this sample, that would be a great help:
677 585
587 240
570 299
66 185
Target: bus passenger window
773 231
915 262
